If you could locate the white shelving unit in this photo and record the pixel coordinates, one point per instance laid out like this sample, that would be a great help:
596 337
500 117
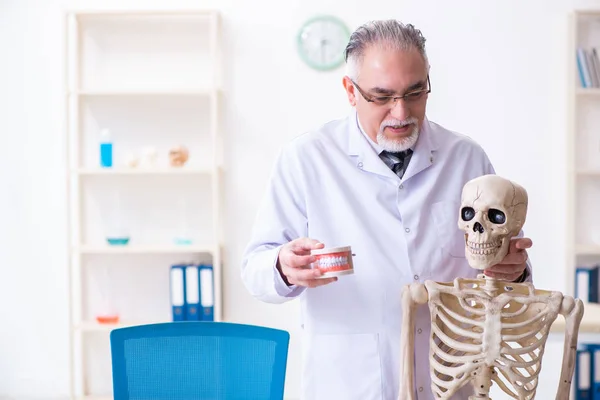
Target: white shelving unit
152 79
583 161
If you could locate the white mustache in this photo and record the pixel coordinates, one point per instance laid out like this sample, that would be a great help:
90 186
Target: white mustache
397 122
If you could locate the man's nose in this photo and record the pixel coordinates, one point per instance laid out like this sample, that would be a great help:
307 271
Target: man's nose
399 110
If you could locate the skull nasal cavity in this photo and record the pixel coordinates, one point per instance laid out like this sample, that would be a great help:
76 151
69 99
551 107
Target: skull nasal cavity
477 227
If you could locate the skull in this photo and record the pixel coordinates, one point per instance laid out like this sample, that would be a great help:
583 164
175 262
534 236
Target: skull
492 211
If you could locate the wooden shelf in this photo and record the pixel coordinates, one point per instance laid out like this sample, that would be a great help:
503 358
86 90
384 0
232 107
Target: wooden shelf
145 13
591 12
587 249
145 249
142 171
588 172
148 92
588 92
92 326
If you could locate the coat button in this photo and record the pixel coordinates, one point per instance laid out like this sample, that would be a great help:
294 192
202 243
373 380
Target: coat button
407 230
416 277
419 330
401 186
360 165
420 388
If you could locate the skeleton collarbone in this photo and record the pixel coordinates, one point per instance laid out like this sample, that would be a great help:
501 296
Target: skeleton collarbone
496 333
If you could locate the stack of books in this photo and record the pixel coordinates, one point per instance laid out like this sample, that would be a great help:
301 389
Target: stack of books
588 66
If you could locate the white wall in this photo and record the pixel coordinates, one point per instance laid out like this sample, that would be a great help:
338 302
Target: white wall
498 75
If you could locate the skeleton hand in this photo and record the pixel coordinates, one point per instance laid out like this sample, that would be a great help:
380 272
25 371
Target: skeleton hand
513 265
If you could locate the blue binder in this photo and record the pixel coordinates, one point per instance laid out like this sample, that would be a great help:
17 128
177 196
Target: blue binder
192 293
595 370
207 297
177 292
583 374
586 284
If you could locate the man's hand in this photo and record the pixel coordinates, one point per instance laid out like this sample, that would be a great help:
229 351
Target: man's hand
513 265
294 264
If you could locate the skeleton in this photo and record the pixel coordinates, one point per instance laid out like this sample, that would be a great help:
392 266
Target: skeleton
487 330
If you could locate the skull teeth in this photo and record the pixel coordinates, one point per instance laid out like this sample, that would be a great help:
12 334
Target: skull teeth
483 248
485 245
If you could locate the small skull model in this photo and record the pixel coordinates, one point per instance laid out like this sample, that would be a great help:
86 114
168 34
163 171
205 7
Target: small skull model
178 156
492 211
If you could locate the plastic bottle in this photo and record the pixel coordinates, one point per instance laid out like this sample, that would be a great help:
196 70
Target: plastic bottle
106 149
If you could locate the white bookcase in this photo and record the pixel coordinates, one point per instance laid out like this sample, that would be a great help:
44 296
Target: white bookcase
152 79
583 162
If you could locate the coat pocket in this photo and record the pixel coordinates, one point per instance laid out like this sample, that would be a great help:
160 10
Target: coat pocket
445 216
346 367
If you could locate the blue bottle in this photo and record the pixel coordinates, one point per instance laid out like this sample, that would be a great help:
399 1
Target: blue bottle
106 149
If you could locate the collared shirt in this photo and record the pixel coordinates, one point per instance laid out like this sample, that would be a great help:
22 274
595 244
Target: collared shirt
390 159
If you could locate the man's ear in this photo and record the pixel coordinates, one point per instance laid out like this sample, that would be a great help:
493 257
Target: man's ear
350 90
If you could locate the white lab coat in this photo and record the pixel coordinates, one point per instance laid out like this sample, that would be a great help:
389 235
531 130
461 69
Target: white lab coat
331 185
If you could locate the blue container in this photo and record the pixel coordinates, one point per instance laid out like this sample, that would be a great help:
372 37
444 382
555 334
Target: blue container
118 241
106 149
106 155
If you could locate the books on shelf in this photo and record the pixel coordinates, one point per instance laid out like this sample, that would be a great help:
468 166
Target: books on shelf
587 372
587 283
588 67
192 292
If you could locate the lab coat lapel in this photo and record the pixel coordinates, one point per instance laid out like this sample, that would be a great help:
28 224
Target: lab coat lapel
367 158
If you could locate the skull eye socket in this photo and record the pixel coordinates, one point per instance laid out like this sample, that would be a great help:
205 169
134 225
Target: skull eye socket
496 216
467 213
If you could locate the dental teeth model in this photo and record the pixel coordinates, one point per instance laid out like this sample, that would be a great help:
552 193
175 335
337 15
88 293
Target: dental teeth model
333 262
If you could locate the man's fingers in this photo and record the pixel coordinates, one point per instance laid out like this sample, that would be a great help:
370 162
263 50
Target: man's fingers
515 258
519 244
305 245
300 274
313 283
505 269
295 261
306 277
503 276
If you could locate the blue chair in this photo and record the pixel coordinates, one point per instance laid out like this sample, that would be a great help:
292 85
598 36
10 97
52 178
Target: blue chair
197 361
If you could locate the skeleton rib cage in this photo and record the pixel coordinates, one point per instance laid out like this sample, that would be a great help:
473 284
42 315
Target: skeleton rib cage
483 332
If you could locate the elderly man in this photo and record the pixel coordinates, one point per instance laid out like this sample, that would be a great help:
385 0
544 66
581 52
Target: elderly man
386 181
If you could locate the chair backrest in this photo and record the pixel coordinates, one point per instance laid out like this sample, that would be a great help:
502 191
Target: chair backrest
198 360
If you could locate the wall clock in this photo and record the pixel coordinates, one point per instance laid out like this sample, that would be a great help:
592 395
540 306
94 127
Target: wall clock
322 41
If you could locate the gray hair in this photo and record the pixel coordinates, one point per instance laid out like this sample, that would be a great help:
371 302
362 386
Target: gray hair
389 32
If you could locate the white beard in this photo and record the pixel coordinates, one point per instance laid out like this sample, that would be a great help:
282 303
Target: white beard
402 144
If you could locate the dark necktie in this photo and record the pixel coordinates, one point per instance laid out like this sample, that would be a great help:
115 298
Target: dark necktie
397 161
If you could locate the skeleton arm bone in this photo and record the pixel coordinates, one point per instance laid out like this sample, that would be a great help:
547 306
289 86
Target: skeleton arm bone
572 310
413 295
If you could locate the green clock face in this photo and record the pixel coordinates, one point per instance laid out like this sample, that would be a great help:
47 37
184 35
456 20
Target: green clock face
322 41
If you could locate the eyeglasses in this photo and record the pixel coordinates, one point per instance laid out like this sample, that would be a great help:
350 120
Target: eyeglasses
410 97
